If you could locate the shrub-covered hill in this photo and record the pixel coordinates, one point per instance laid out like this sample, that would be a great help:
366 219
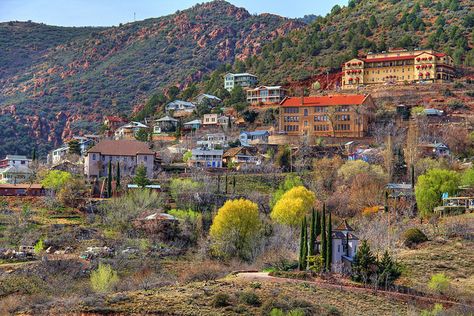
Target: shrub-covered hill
72 82
367 26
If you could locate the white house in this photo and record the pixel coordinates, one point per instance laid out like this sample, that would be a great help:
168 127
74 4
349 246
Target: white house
179 105
206 158
209 99
129 131
253 138
212 141
15 169
244 80
344 247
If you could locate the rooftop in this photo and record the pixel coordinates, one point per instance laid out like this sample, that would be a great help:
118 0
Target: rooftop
121 148
329 100
24 186
344 226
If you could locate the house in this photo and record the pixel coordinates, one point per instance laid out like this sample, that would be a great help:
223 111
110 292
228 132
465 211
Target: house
129 131
210 120
223 120
192 125
253 138
244 80
15 169
165 124
22 190
15 161
212 141
206 158
341 115
344 247
128 153
240 156
179 105
58 155
398 66
114 122
266 95
434 150
207 99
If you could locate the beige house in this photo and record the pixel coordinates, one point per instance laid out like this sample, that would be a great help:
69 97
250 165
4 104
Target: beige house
398 66
129 154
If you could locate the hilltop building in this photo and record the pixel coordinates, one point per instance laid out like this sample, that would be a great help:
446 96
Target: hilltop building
129 131
129 154
398 66
245 80
206 158
266 95
326 116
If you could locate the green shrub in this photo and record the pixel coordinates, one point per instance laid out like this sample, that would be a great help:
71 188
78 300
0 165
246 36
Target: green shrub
220 300
413 237
104 278
437 310
250 298
439 283
39 246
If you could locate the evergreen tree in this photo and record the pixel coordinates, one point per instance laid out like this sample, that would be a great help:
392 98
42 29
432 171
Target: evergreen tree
305 244
364 263
323 235
109 180
300 260
117 176
389 270
329 244
318 224
385 207
33 155
74 147
312 234
141 178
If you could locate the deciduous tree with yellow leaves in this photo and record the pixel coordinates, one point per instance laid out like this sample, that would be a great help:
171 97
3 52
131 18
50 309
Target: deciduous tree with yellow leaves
293 206
235 229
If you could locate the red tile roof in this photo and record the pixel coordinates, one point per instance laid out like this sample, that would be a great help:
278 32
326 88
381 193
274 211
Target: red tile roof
121 148
329 100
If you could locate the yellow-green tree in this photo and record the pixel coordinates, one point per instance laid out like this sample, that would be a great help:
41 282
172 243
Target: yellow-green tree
56 179
293 206
104 278
235 229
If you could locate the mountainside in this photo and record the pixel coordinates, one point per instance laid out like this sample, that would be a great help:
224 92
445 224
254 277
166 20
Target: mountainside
65 84
366 26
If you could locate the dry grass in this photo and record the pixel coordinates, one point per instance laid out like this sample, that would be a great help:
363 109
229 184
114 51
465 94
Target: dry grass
453 257
197 299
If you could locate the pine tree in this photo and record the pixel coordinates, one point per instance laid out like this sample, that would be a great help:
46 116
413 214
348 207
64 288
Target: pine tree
364 263
117 177
140 177
388 270
109 180
329 244
74 147
323 235
312 234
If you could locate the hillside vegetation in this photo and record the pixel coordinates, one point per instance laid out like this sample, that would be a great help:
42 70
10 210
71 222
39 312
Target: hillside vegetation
75 80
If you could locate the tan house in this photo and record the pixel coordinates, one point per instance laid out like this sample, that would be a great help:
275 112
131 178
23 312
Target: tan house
326 116
398 66
210 120
129 153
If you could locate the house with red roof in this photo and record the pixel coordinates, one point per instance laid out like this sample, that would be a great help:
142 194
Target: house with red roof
398 66
341 115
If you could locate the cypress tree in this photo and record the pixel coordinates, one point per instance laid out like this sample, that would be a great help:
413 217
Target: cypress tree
33 155
312 234
385 207
305 244
318 224
117 176
329 244
323 235
300 260
109 181
412 167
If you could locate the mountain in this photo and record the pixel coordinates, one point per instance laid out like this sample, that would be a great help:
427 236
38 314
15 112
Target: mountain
54 86
366 26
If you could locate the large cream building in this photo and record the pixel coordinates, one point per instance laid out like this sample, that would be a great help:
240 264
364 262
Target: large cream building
398 66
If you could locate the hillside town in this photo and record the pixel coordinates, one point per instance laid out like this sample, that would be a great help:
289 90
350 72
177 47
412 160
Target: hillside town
345 196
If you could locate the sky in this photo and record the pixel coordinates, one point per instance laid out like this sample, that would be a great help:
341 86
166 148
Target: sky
113 12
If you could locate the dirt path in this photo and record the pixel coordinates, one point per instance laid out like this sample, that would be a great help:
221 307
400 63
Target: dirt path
265 277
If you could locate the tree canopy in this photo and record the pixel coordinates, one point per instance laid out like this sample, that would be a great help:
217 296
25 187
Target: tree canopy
293 206
235 229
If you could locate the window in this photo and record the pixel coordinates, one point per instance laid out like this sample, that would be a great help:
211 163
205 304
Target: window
145 158
305 123
305 112
93 156
338 248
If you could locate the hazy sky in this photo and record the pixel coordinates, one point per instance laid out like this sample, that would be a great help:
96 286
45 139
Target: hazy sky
113 12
